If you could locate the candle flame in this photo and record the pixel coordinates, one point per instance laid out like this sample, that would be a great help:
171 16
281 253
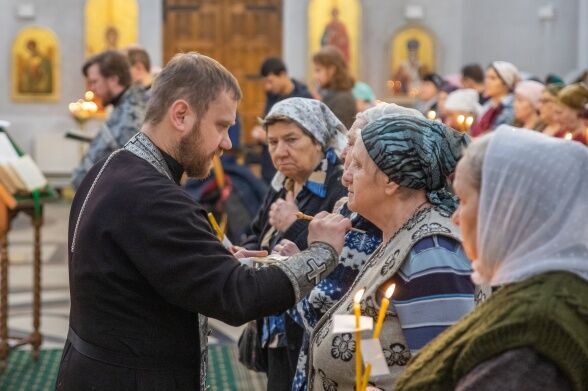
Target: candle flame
568 136
469 121
460 118
431 115
358 296
390 291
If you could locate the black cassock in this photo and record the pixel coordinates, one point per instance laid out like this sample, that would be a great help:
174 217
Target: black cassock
143 263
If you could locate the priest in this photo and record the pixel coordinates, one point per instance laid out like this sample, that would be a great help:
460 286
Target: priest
144 263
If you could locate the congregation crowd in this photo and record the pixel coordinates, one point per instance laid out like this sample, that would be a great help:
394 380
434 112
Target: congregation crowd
473 202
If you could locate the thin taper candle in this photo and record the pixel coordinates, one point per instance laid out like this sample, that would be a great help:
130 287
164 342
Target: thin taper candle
357 311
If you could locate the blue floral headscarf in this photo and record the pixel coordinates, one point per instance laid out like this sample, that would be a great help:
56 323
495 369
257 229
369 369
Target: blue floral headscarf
416 153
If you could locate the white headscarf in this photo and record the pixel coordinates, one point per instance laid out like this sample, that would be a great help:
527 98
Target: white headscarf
533 211
507 72
465 100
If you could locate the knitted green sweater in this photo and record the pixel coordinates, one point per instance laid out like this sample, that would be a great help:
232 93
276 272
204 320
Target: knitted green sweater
547 313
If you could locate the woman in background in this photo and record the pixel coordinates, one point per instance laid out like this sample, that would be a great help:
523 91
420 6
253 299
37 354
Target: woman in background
335 83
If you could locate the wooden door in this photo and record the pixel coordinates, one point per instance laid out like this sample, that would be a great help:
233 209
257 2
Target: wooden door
240 34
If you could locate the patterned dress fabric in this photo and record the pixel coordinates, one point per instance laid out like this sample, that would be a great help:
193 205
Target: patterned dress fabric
331 356
307 312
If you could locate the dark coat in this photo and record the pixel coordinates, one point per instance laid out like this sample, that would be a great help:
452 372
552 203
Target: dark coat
145 263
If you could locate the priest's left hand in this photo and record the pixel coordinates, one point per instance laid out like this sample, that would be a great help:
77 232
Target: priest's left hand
282 213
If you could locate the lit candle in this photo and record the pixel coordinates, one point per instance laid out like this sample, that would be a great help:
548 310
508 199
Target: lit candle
469 122
357 311
568 136
378 330
431 115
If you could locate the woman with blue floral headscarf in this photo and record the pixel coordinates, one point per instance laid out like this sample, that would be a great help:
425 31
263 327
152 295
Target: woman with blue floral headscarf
304 139
399 173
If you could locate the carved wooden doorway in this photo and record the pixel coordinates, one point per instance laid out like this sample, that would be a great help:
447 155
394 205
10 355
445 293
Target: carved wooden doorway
240 34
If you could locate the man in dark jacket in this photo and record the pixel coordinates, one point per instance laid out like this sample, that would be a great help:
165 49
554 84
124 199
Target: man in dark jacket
278 86
108 76
143 261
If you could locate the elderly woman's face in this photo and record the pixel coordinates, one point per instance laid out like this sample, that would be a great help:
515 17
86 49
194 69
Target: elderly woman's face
293 152
364 183
466 215
493 84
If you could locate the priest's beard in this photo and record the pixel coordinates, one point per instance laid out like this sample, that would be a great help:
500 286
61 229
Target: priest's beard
191 155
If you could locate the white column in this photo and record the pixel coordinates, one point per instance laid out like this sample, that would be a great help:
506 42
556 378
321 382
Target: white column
295 37
151 29
582 34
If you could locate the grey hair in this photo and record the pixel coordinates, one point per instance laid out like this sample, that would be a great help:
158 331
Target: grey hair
473 159
387 109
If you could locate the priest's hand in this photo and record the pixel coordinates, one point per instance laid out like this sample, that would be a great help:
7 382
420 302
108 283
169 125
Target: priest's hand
329 228
286 247
282 213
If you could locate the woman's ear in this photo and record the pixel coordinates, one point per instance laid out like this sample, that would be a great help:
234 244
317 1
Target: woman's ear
390 187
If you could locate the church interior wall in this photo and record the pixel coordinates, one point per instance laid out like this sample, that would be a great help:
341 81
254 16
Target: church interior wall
465 31
46 122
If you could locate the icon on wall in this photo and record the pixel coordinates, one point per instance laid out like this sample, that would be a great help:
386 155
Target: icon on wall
412 57
35 65
110 24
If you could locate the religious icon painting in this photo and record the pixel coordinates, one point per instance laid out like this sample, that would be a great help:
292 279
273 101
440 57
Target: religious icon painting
412 55
35 65
335 23
110 24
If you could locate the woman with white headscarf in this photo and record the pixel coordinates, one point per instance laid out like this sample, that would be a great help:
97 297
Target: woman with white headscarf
499 84
532 242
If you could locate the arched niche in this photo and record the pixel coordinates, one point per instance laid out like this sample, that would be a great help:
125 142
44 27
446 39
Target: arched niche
412 54
110 24
35 65
345 21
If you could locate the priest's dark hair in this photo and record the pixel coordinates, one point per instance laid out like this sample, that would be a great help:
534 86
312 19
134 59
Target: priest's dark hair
191 76
111 63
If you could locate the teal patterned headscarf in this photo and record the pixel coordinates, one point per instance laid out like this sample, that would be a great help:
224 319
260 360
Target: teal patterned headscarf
416 153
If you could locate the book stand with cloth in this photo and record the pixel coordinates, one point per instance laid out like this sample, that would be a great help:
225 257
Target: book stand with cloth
10 206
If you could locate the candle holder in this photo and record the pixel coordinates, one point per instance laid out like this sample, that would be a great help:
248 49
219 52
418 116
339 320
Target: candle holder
377 330
83 109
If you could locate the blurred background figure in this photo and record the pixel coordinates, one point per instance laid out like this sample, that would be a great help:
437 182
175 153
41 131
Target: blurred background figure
570 112
427 98
364 96
526 105
462 109
335 83
140 66
547 104
472 76
499 83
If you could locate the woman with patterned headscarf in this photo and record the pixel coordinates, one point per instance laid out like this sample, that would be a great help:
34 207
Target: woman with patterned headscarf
532 334
304 139
398 179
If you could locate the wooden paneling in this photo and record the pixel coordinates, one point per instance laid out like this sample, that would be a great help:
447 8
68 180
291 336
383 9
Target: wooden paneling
239 34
